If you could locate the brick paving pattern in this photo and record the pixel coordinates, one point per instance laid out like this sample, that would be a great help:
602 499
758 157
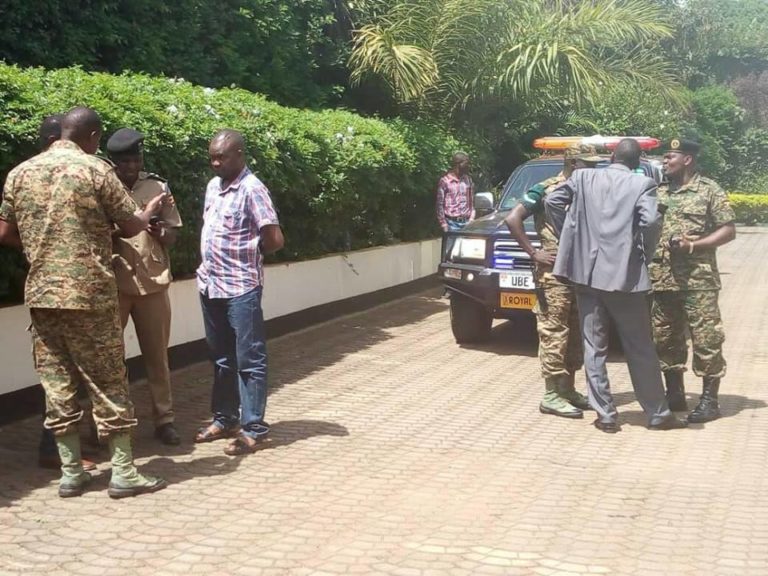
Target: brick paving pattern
396 452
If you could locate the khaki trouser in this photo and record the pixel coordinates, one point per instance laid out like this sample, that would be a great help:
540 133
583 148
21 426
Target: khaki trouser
151 316
72 346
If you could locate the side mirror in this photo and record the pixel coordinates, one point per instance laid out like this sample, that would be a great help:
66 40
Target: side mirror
483 203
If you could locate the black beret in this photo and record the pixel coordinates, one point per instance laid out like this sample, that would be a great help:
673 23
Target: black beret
682 146
125 141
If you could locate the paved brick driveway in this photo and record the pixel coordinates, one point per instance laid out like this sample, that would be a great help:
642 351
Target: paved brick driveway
396 452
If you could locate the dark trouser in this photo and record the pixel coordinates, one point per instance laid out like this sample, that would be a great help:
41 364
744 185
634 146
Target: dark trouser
234 331
630 315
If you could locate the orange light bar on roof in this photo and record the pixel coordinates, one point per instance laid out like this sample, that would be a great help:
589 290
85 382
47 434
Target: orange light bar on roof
610 142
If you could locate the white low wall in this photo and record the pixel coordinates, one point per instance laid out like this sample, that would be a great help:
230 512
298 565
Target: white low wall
288 288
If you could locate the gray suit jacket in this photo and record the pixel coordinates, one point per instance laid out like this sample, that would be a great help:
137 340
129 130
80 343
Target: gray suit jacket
609 225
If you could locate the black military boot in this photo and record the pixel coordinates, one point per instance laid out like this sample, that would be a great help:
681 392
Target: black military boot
708 408
675 391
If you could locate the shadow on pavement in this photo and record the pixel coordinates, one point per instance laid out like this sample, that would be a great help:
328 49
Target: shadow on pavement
291 359
510 338
730 405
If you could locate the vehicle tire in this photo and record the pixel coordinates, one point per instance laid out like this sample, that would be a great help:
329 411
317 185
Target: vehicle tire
470 321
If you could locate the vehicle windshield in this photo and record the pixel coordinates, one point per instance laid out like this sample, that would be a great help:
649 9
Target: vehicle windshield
524 178
527 175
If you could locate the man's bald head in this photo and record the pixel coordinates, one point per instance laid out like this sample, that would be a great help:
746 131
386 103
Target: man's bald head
628 152
82 126
227 152
50 130
230 138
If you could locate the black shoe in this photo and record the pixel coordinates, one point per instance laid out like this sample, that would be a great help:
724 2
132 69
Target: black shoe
167 434
607 427
708 408
675 391
704 412
671 422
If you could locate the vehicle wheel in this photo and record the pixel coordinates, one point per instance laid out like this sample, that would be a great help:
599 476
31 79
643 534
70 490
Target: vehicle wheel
470 321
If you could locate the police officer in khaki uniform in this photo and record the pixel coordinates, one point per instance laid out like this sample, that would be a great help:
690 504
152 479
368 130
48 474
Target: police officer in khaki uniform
143 273
686 281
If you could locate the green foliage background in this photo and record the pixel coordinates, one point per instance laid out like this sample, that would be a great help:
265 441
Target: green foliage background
286 49
340 181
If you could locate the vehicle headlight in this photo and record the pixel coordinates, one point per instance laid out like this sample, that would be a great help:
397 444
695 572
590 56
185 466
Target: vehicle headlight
469 248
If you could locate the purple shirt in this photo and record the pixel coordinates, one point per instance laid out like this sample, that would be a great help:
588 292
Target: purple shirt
229 243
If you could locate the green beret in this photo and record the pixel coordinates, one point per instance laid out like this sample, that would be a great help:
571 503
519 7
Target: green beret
682 146
125 141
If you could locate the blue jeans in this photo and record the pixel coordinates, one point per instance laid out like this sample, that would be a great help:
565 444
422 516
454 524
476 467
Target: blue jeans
234 331
455 225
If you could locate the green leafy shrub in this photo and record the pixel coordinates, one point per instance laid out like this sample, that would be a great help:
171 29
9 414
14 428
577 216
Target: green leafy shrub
287 49
340 181
750 208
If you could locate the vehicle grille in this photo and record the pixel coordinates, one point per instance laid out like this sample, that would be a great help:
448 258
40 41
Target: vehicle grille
507 255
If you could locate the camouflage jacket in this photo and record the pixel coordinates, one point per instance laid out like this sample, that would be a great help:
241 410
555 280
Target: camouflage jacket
696 209
64 202
533 200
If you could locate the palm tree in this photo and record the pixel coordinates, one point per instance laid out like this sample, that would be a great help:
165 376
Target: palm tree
450 53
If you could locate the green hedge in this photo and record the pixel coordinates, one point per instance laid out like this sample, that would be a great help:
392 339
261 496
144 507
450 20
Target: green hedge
340 181
750 208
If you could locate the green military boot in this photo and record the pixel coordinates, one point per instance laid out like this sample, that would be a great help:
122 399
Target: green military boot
73 478
126 480
572 396
675 390
554 404
708 408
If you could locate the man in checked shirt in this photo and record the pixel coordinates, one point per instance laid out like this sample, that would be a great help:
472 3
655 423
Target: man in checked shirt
239 225
455 192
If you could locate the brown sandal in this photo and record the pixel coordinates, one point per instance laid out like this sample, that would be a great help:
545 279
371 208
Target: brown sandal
243 444
214 432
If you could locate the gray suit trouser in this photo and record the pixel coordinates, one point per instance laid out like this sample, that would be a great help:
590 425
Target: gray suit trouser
632 319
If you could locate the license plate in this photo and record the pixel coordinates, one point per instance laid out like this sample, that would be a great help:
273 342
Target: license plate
522 280
452 273
518 300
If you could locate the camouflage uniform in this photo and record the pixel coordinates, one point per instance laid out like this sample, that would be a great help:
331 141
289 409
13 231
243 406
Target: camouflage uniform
686 286
557 317
64 202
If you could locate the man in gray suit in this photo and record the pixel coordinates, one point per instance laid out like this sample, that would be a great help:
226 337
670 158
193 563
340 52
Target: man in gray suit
609 223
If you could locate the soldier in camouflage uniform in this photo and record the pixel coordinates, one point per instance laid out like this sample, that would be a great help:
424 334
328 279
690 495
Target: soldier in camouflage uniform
59 207
686 280
557 317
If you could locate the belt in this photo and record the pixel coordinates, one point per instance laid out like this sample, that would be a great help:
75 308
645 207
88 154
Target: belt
457 218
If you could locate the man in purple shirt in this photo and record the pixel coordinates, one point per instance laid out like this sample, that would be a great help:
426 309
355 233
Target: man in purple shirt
239 225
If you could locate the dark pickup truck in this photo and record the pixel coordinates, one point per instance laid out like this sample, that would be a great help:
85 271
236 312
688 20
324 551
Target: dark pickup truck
485 272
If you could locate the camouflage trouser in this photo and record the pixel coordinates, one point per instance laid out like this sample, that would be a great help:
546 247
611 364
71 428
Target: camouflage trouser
557 321
698 312
71 346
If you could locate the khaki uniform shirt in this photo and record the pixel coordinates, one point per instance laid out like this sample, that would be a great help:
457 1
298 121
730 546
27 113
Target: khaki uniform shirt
64 203
696 209
141 263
